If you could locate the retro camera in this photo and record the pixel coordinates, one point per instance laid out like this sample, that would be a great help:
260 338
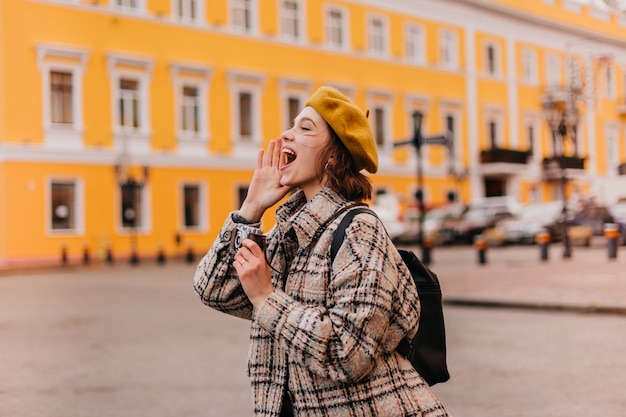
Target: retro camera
242 233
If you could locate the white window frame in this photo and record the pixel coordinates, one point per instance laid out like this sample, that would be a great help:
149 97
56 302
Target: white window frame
130 139
529 66
497 70
240 82
378 36
535 121
292 88
186 16
611 132
70 60
454 110
126 6
554 66
448 49
342 43
189 142
608 78
383 100
496 115
79 206
203 208
146 209
296 16
249 6
415 43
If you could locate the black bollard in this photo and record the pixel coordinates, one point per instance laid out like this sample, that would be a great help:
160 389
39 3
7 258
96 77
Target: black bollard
86 255
64 255
190 257
109 255
427 245
543 240
134 257
161 256
611 233
480 243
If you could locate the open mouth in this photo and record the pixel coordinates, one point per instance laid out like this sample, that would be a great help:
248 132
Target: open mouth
288 156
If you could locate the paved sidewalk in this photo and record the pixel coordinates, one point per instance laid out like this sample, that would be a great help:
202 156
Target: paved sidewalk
516 277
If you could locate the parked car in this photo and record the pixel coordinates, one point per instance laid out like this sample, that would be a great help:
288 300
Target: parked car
594 216
387 208
478 218
533 219
433 220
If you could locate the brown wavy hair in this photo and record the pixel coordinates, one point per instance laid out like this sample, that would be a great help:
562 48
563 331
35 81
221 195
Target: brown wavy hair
342 175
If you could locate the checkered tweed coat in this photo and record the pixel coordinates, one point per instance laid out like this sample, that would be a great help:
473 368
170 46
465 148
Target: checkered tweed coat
332 328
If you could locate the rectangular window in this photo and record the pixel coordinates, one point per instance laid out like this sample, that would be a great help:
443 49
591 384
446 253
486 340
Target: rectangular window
242 193
130 4
129 103
529 66
377 36
61 109
187 9
491 57
290 19
293 105
242 13
415 43
493 134
132 207
192 206
335 32
379 126
63 205
450 134
531 139
448 49
190 109
553 71
609 81
245 116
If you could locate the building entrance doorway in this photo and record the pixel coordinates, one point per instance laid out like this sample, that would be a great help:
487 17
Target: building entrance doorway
495 187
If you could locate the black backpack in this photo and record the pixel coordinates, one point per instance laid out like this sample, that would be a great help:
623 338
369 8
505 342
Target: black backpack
427 350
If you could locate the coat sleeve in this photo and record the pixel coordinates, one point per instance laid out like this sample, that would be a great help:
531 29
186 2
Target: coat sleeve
216 280
371 305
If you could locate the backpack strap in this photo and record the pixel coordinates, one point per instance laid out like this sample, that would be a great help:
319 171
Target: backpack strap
340 233
405 348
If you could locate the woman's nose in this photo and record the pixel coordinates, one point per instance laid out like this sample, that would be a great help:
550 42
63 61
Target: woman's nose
287 135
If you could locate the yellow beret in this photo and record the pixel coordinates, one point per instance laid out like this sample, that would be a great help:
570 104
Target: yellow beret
350 124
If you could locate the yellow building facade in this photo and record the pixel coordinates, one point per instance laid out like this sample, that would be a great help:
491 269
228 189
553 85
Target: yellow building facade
131 127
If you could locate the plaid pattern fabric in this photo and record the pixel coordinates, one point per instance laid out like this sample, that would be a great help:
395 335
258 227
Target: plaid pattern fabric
334 328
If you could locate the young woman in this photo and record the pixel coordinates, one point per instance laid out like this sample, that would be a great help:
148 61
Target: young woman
323 335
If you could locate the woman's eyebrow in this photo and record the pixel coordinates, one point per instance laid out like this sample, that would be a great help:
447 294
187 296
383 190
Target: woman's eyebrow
304 119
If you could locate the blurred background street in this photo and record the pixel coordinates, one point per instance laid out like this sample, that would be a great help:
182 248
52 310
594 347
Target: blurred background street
123 341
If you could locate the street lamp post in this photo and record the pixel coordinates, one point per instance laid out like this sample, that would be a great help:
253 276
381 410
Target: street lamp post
417 141
562 117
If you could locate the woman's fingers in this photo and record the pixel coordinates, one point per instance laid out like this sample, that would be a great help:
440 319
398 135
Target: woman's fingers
271 158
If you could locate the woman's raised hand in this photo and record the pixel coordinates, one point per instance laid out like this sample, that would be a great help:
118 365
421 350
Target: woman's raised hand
265 188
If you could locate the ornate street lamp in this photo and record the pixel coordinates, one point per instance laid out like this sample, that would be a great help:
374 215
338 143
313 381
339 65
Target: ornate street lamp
562 116
417 141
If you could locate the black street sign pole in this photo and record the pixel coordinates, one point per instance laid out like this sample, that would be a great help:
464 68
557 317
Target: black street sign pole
417 142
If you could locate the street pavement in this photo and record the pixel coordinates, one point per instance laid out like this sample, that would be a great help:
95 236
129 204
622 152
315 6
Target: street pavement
131 341
517 277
